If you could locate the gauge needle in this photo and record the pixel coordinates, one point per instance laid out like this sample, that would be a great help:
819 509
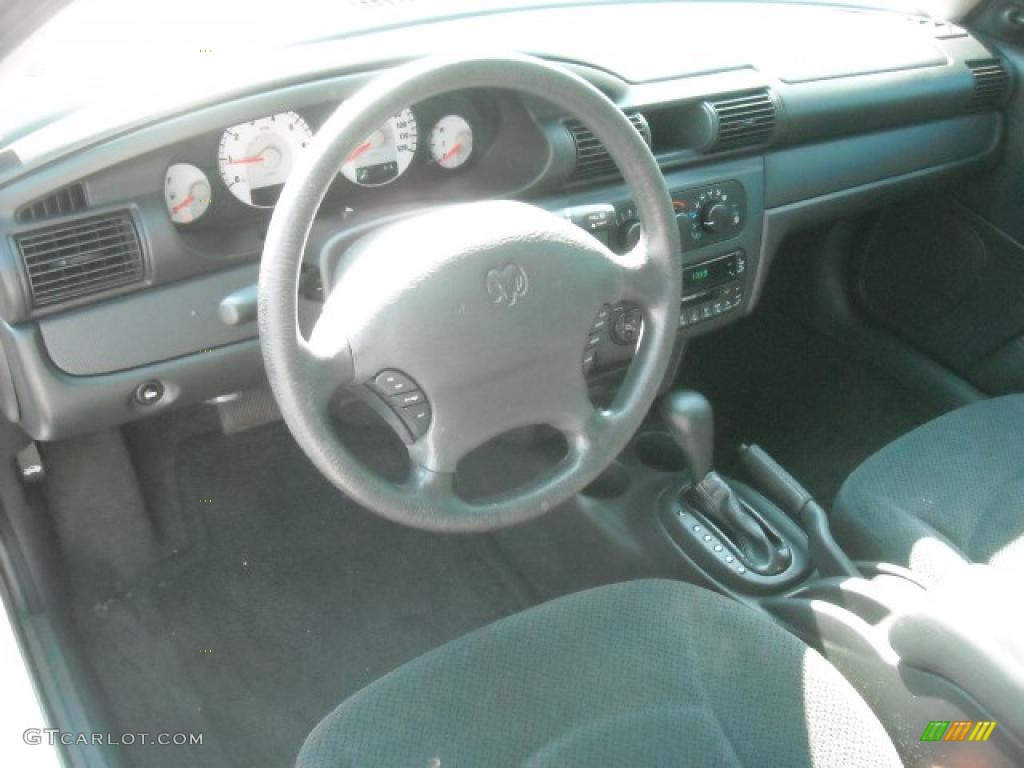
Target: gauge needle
187 201
451 153
359 150
245 160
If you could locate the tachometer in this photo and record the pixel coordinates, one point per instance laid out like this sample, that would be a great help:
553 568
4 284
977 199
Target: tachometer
385 154
256 157
186 192
451 141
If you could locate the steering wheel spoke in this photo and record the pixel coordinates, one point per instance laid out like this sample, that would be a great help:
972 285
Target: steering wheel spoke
589 429
428 484
327 367
433 454
643 277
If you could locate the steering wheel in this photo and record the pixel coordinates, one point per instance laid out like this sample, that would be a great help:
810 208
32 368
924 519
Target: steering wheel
477 314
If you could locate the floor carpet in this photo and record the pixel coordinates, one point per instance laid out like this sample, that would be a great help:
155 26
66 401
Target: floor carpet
287 600
281 598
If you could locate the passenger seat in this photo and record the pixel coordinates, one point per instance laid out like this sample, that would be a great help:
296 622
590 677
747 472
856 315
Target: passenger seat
949 493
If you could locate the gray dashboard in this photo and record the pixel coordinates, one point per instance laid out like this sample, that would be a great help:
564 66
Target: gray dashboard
852 126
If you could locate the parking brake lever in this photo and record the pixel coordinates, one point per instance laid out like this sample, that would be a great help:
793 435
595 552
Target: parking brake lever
782 488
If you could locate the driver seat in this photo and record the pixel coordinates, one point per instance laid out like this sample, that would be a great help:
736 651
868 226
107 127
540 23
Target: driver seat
644 673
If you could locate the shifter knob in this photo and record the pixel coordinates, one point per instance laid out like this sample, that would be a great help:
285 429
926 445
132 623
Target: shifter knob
690 420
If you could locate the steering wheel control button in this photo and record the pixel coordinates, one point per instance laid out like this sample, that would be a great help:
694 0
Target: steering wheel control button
406 399
588 361
149 393
416 418
599 330
392 382
627 327
403 398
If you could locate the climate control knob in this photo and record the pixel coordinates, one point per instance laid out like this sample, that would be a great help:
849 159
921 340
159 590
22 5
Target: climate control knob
719 217
629 235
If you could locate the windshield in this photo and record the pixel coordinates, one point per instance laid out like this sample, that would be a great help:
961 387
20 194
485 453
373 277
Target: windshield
59 55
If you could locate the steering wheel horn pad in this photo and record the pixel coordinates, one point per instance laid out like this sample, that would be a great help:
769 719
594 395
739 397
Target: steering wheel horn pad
490 317
487 306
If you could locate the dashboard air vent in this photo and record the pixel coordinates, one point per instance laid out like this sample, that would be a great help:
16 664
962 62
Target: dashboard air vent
592 159
65 200
991 83
82 258
741 120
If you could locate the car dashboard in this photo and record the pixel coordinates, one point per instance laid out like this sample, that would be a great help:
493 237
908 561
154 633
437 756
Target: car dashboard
128 253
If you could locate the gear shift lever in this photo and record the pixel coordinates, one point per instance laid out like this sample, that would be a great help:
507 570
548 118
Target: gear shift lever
690 420
692 424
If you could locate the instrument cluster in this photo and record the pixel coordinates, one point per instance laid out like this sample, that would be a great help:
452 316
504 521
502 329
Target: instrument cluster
252 160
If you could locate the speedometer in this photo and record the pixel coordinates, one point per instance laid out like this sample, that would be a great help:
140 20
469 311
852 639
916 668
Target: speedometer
256 157
385 154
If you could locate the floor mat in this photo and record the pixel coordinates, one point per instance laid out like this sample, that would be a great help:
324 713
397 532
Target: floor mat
290 600
817 409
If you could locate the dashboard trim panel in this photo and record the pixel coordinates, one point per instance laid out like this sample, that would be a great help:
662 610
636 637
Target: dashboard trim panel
75 367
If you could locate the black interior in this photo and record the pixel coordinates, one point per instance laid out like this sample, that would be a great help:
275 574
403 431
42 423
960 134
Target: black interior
238 543
172 560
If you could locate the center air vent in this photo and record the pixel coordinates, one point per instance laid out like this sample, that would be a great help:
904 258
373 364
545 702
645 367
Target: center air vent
82 258
991 83
740 120
592 159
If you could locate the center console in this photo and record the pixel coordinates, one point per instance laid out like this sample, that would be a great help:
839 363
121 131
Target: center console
931 656
941 662
706 216
712 288
732 534
719 212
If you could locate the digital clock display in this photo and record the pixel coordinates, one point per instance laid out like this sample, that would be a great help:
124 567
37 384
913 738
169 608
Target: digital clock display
709 274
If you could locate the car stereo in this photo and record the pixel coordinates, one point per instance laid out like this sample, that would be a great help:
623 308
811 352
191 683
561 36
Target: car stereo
712 287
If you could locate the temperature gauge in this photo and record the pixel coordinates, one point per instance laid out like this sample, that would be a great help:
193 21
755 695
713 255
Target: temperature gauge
186 192
451 142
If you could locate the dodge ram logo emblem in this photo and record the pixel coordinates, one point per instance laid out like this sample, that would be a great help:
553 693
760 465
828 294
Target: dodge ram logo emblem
507 285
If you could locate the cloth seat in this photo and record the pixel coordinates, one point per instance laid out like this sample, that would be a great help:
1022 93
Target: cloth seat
640 674
949 493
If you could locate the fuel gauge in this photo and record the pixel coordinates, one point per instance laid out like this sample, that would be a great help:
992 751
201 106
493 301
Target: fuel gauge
186 192
451 142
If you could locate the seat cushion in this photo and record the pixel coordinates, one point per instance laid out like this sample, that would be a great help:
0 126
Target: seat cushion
645 673
949 493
